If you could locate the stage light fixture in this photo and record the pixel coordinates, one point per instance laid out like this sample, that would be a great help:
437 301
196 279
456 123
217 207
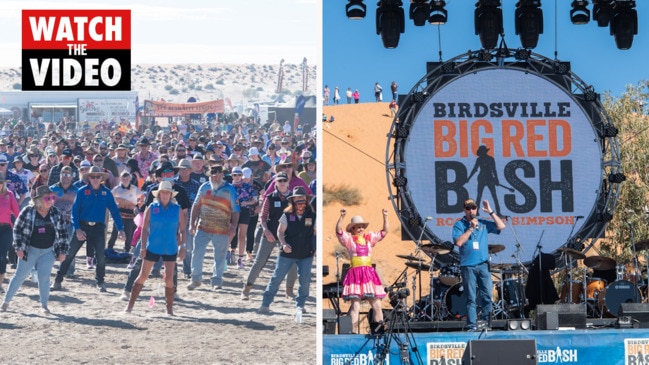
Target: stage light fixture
522 54
355 9
402 132
610 131
590 94
602 12
438 15
448 67
579 14
488 21
528 22
519 324
624 24
414 221
400 181
419 10
419 96
604 217
617 177
485 56
390 22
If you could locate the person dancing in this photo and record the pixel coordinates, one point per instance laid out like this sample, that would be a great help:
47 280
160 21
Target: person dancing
162 220
40 238
362 281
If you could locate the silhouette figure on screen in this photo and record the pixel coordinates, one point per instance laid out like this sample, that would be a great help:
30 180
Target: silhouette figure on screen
487 177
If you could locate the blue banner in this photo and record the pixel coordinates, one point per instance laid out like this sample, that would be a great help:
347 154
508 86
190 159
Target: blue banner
605 346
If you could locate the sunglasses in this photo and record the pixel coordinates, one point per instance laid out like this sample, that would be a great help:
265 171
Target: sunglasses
300 202
471 208
282 181
43 170
94 177
66 175
181 151
237 174
50 198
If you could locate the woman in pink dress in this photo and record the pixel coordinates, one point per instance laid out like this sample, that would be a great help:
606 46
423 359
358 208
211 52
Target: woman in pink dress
361 281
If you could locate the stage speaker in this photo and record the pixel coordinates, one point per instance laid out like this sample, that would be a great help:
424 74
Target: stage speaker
553 316
500 352
345 325
328 321
639 312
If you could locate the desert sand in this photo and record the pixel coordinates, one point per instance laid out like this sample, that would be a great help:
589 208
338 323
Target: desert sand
209 327
354 155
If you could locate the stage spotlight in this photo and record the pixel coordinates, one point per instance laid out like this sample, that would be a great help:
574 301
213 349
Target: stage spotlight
624 24
438 15
519 324
449 67
419 10
590 94
390 22
485 56
400 181
529 22
488 20
355 9
419 96
616 177
522 54
610 131
579 13
602 12
414 221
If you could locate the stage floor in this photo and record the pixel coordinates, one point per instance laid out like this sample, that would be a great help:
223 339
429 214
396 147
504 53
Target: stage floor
629 346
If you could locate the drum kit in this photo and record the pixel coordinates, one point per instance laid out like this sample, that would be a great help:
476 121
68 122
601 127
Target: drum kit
447 300
604 283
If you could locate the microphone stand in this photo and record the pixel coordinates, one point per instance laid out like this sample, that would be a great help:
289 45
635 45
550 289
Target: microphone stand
418 243
540 255
338 278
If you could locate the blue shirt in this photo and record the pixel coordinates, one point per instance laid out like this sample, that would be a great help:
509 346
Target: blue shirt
15 184
469 255
90 206
163 227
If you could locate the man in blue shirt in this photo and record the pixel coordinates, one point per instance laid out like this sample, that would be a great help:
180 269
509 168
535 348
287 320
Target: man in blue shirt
470 235
89 222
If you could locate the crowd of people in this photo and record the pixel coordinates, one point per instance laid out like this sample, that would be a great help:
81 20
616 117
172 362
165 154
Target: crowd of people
355 96
166 192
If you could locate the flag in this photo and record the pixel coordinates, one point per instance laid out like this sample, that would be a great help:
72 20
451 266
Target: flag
299 107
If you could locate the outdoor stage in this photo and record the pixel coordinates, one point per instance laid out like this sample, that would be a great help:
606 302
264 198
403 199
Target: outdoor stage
571 346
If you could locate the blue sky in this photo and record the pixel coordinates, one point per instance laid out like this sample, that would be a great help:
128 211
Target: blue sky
195 31
353 55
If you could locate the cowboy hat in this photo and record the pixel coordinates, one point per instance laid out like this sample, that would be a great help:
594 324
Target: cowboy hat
165 186
298 191
42 191
94 170
357 220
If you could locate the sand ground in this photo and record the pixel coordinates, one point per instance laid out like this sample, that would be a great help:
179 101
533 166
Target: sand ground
209 327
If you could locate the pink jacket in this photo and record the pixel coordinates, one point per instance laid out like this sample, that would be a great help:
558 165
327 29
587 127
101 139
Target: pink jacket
8 207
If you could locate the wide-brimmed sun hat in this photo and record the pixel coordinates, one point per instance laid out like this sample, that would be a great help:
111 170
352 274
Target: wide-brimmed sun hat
164 186
357 220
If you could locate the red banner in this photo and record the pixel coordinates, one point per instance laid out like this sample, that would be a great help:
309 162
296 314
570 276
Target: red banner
164 109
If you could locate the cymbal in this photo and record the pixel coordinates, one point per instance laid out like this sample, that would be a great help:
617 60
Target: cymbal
501 266
435 249
418 266
496 248
642 245
410 257
573 253
599 263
